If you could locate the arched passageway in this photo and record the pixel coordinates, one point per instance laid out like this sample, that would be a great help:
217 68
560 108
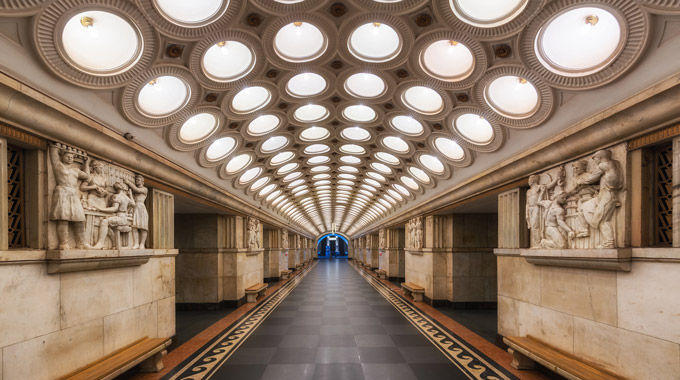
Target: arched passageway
331 246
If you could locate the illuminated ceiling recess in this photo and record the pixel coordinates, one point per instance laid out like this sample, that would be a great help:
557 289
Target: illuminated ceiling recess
324 114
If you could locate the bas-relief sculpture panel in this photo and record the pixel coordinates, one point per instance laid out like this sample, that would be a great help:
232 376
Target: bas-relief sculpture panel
94 204
381 239
580 205
284 239
414 232
253 233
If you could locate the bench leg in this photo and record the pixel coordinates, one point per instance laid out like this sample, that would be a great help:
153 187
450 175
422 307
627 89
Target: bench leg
520 361
153 363
417 297
251 297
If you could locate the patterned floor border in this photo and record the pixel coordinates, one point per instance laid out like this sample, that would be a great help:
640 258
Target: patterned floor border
473 363
208 359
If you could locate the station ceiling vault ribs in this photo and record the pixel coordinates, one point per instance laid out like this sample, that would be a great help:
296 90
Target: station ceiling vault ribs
338 112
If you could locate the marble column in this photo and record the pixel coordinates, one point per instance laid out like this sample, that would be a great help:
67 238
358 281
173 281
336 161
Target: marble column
274 255
392 258
293 251
676 192
427 253
371 251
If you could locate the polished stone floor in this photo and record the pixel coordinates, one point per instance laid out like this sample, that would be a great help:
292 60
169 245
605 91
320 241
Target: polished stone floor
335 325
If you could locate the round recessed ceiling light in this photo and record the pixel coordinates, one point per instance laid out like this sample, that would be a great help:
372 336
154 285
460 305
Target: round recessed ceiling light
273 144
395 195
447 60
407 125
220 148
423 99
321 176
318 160
249 175
250 99
163 96
372 182
282 157
259 183
262 125
190 14
350 160
449 148
311 113
314 134
352 149
306 84
487 13
374 42
300 42
382 168
396 144
238 163
267 189
365 85
296 183
320 169
360 113
432 163
227 61
512 96
101 43
410 182
347 176
387 157
198 128
419 174
580 41
287 168
316 149
401 189
376 176
474 128
291 176
356 134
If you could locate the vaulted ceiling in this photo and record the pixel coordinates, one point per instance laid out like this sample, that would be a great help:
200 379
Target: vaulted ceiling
345 111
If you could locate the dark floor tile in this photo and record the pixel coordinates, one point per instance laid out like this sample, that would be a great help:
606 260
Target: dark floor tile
407 329
338 372
294 356
383 371
337 330
368 329
288 372
380 355
240 371
274 320
327 355
410 340
300 341
373 340
246 355
423 355
314 330
437 372
260 341
337 341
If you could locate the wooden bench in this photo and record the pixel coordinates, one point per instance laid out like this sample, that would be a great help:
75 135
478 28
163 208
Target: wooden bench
411 289
285 274
527 350
254 291
148 353
382 274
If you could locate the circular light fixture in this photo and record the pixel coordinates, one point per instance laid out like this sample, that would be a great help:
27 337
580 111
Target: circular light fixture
238 163
320 169
321 176
432 163
198 128
352 149
190 14
360 114
449 148
300 42
382 168
318 160
306 84
419 174
447 60
287 168
387 157
316 149
227 61
396 144
352 160
314 134
474 128
273 144
401 189
267 189
512 97
282 157
579 41
262 125
101 43
409 182
163 96
407 125
259 183
249 175
423 99
376 176
250 99
220 148
296 183
346 176
365 85
487 13
311 113
291 176
374 42
355 134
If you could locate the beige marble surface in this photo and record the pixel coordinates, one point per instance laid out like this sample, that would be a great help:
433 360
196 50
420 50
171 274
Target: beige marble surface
123 328
29 303
552 327
518 279
166 317
508 316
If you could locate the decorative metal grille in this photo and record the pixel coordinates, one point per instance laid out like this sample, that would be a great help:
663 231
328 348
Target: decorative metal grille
663 195
15 191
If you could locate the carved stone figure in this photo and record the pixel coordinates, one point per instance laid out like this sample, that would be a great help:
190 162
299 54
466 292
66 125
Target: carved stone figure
121 204
381 238
537 193
140 216
253 231
297 241
284 239
579 188
95 189
66 206
415 231
557 232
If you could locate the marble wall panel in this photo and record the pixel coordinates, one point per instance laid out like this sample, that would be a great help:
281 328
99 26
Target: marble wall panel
124 328
626 353
164 280
29 302
589 294
94 294
648 301
142 283
50 356
199 290
552 327
508 316
519 279
166 317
